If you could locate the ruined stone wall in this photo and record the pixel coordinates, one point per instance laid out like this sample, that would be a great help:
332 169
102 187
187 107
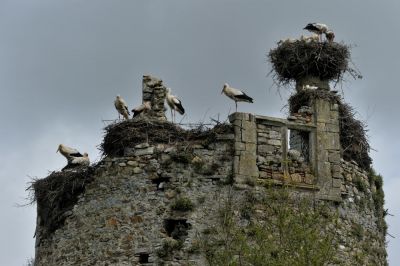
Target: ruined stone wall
151 208
361 236
140 208
151 205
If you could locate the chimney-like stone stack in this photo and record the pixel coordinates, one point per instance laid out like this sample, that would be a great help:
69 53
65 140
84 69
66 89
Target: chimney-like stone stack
155 92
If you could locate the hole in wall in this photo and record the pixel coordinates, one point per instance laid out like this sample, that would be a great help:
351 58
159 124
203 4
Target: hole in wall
160 182
299 140
177 228
144 258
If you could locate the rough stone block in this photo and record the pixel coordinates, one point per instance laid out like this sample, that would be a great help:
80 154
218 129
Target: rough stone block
274 142
262 140
275 134
266 149
247 164
334 157
334 128
251 148
296 178
146 151
240 146
249 132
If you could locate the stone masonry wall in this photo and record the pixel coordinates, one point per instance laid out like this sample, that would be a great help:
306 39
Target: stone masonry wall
126 216
150 206
155 92
361 240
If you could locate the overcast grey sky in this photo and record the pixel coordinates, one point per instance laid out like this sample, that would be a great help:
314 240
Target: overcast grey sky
63 62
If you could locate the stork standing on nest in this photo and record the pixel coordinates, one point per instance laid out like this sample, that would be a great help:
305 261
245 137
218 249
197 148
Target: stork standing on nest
174 104
121 107
73 156
236 95
144 107
317 28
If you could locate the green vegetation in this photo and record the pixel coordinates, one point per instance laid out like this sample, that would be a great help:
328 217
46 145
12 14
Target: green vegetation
273 227
360 184
168 246
182 204
379 199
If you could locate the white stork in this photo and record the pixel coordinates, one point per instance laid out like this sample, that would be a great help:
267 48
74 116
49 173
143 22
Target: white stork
317 28
174 104
121 107
144 107
330 36
68 152
80 161
236 95
73 156
309 87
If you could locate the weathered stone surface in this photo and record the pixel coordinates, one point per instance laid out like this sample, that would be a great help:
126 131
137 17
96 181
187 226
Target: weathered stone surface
132 163
145 151
249 132
274 142
247 164
137 170
124 210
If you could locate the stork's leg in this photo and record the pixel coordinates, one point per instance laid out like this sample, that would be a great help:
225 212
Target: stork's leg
172 118
236 105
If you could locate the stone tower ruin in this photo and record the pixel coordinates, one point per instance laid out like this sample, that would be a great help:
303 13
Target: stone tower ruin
158 190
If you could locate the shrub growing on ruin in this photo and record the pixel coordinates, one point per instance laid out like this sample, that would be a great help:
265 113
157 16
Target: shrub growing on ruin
288 230
182 204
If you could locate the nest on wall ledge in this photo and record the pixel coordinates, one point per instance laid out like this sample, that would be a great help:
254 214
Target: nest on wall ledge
56 194
128 133
292 61
353 132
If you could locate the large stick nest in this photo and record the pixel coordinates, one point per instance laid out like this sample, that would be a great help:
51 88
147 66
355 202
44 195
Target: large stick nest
129 133
56 194
353 132
292 61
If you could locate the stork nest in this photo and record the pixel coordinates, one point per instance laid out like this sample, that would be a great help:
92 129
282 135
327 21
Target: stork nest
129 133
292 61
56 194
353 132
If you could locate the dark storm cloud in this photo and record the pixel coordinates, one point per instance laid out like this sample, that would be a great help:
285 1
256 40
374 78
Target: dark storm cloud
63 62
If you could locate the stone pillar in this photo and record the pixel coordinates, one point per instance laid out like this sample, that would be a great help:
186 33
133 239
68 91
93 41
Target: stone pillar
155 92
244 165
326 118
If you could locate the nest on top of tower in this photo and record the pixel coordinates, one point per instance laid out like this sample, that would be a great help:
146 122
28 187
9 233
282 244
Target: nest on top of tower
353 132
129 133
294 60
56 194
